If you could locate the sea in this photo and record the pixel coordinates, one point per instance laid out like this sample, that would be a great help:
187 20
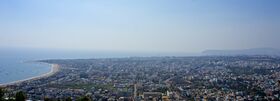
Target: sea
19 64
13 69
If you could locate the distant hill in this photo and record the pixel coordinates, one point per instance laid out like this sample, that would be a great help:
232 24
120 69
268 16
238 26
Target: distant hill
253 51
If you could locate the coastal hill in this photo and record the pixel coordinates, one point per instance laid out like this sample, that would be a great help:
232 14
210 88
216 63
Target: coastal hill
252 51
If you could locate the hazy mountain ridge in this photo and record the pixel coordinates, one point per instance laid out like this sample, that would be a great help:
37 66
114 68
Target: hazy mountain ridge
253 51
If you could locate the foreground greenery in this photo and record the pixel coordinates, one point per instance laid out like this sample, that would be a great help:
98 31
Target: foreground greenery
21 96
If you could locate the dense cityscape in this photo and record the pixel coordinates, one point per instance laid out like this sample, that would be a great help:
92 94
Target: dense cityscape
207 78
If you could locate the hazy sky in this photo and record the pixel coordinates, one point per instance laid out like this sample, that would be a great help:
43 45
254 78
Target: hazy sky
140 25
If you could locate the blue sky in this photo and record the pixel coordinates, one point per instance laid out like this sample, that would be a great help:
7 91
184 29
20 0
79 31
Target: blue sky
140 25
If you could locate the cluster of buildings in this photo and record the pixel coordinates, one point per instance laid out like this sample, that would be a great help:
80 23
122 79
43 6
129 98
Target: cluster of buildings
160 79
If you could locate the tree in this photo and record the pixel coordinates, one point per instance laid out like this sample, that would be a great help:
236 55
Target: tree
2 93
84 98
20 96
68 99
47 99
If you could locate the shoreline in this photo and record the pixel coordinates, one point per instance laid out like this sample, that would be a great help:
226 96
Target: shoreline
54 69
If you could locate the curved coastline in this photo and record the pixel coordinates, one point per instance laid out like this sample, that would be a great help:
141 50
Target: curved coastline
54 70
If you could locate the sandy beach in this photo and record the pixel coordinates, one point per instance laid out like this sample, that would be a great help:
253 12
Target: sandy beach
54 69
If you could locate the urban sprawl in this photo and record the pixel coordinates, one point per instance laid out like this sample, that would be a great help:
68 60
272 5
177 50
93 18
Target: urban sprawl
205 78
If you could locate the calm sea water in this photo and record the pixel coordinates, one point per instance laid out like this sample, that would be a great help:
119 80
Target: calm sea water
13 69
19 64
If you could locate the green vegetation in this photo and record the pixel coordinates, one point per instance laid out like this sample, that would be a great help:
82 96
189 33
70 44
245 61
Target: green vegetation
20 96
2 93
47 99
85 98
68 99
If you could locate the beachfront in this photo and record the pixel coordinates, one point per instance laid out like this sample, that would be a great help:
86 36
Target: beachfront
54 70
